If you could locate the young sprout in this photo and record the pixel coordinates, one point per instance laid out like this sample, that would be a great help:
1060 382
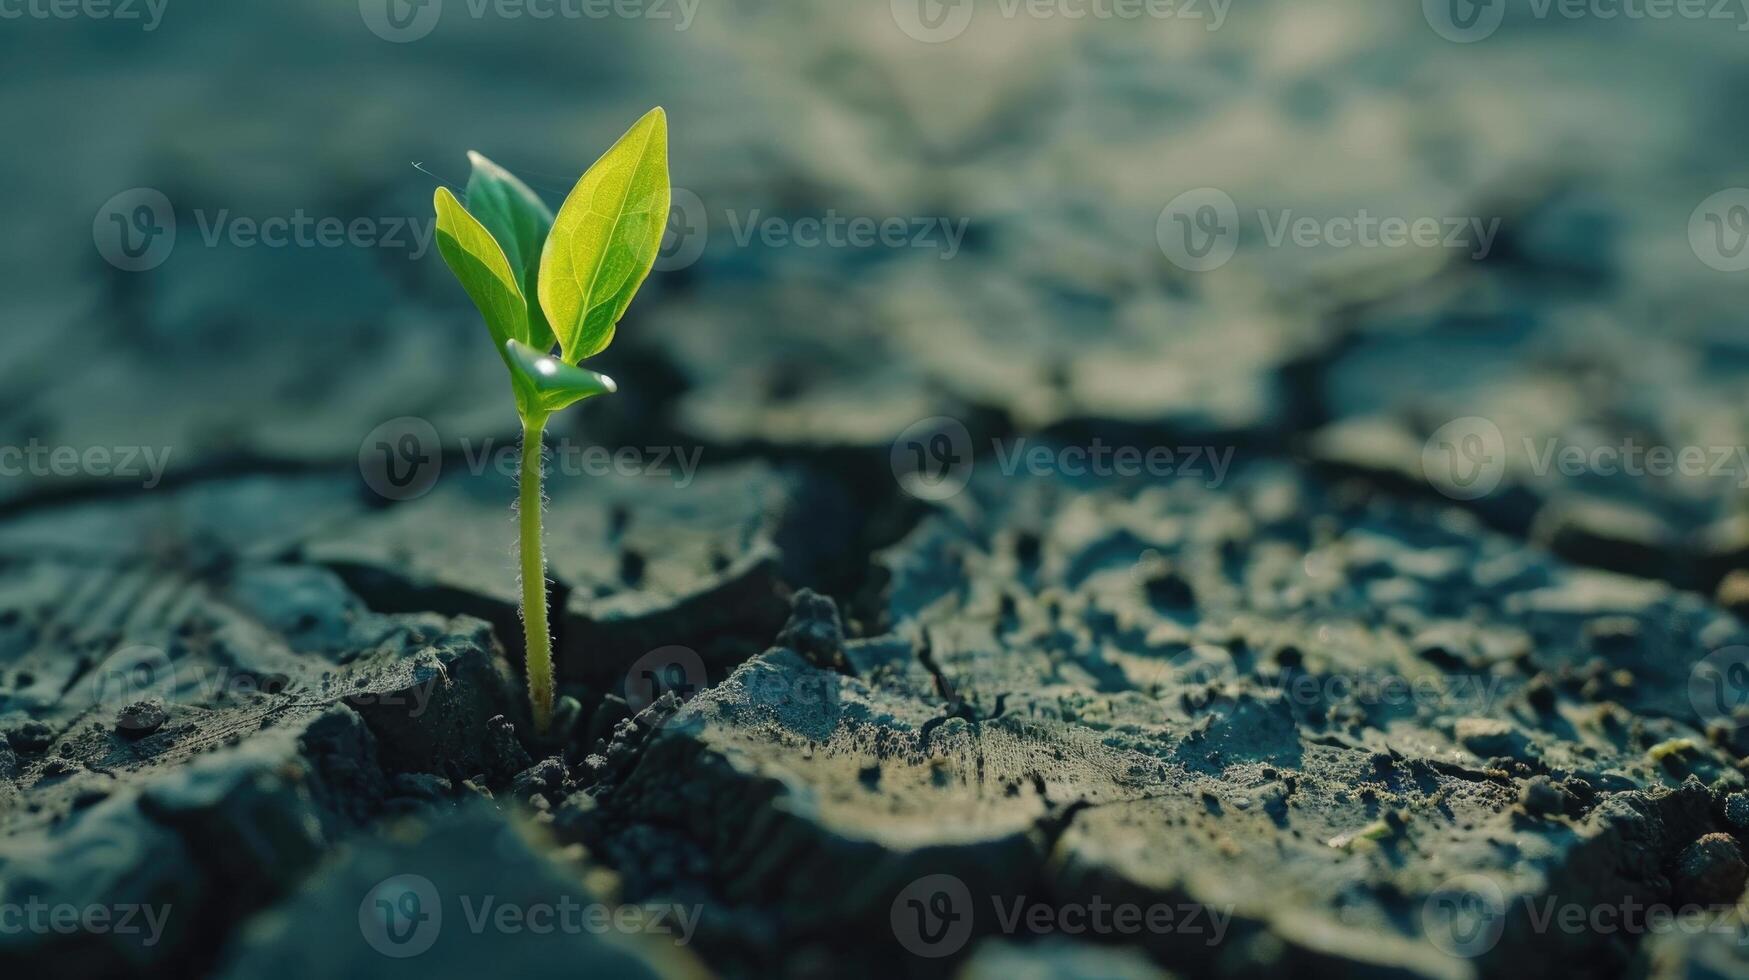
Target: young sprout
541 280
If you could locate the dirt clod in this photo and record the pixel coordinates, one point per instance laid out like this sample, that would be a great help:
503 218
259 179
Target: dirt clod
814 630
141 718
1711 871
1737 810
30 737
1542 798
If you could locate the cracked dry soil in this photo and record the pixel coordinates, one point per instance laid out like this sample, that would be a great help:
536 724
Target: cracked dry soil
1310 719
1297 712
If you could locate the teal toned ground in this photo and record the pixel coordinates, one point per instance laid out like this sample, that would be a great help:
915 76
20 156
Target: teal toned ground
943 683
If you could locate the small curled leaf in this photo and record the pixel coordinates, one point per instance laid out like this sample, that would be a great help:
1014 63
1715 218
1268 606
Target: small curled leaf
555 384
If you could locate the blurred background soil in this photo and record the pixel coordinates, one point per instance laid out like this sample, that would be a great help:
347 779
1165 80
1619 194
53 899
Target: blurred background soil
1038 684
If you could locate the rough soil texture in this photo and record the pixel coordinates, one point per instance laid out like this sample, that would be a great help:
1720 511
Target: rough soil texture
1336 721
1291 701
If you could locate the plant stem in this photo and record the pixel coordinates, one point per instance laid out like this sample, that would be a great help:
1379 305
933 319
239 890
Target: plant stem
539 643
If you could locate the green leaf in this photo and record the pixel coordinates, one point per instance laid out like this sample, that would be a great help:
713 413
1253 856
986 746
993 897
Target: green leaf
606 238
556 384
479 263
518 219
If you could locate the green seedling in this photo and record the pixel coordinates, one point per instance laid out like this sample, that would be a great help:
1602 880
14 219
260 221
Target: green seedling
542 281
